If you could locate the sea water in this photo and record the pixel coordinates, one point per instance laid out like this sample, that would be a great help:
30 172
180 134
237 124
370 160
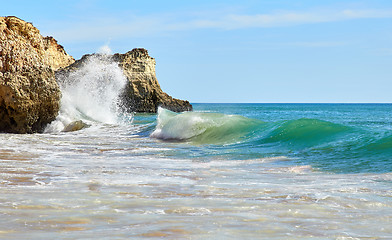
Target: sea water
223 171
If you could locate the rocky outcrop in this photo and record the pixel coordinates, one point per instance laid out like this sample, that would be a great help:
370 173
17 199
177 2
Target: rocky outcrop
56 55
75 126
143 92
29 93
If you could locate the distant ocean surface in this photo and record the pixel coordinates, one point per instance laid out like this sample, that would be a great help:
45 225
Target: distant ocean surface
223 171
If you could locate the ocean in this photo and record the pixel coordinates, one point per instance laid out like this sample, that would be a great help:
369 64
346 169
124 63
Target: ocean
223 171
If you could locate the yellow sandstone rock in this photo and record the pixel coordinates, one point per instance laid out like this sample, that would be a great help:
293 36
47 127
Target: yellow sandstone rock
29 93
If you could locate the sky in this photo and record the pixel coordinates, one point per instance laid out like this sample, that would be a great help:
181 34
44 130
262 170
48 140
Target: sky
266 51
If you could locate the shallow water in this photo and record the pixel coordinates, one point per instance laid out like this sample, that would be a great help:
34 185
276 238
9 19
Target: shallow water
114 181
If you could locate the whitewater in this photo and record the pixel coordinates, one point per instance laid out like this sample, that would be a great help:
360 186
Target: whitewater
223 171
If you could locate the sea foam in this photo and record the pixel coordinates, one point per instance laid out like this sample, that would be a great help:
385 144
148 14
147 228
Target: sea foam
91 93
203 128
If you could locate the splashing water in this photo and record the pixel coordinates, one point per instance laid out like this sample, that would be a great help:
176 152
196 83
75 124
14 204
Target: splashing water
91 93
105 49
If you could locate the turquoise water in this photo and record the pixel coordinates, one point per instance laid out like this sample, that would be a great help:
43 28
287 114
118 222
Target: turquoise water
224 171
340 138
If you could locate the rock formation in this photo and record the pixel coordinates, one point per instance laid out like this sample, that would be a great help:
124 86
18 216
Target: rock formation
75 126
143 92
29 93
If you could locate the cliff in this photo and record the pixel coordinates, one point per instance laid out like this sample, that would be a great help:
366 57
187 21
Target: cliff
143 92
29 93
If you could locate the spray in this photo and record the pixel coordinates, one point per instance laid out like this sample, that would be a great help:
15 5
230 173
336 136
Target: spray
91 92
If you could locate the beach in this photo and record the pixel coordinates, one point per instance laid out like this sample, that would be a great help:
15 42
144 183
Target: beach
115 181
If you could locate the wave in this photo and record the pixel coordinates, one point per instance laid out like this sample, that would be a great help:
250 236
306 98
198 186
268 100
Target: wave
91 93
385 143
217 128
305 132
201 127
322 144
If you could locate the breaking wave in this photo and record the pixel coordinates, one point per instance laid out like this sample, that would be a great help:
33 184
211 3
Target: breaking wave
317 141
216 128
202 127
91 93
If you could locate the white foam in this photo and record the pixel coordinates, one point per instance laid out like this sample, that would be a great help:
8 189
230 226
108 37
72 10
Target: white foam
105 49
91 93
179 126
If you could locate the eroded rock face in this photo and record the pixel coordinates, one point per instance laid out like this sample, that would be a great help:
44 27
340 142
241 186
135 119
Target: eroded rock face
56 55
29 93
143 92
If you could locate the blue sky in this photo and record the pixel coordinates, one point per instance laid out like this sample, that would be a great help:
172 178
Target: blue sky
237 51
